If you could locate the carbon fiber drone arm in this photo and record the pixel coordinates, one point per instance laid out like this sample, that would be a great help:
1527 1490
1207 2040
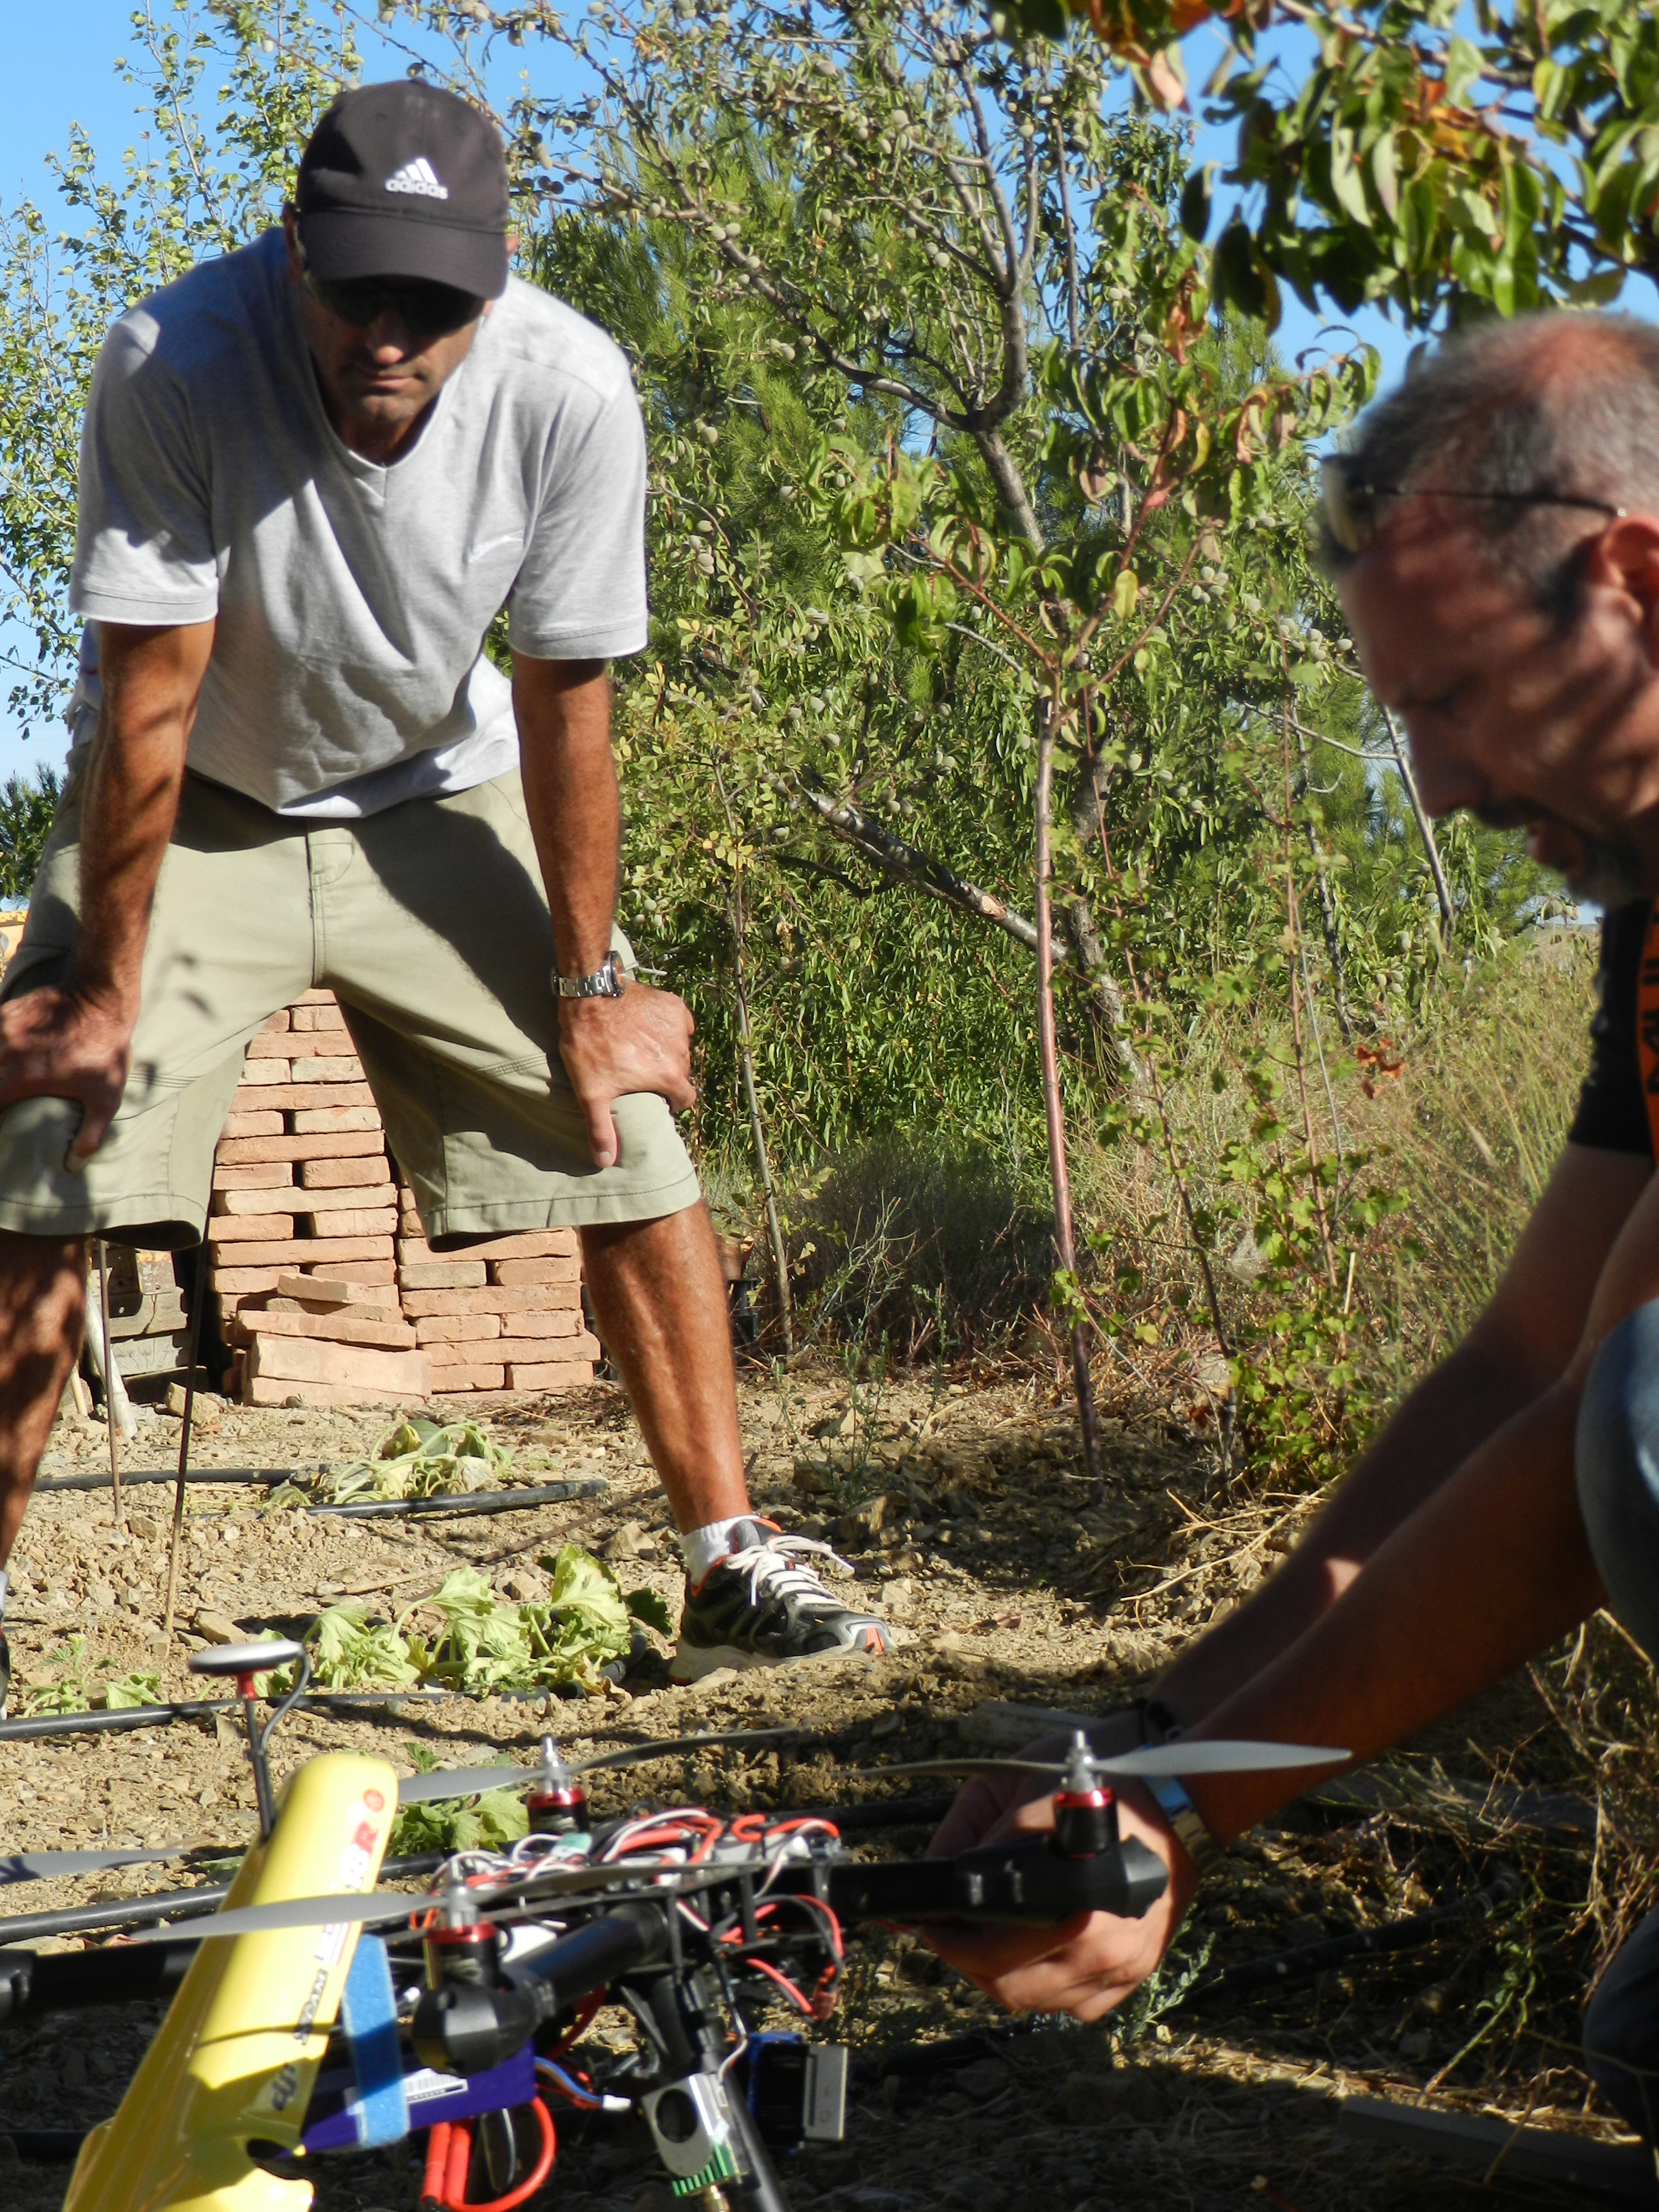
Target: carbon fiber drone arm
1026 1881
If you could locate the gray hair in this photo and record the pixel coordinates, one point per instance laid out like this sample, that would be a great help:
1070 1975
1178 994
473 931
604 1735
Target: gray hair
1563 404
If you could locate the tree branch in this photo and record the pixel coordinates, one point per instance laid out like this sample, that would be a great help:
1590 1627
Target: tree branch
919 869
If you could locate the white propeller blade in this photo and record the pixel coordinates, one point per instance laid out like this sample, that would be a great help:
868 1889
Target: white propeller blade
470 1781
43 1866
353 1908
462 1781
1151 1763
1221 1757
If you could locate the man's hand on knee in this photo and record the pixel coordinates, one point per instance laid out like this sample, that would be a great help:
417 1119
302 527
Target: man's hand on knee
1085 1966
612 1048
67 1044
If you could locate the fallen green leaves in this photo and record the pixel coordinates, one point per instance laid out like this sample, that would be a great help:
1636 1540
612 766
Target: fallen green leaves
492 1821
71 1689
416 1458
480 1645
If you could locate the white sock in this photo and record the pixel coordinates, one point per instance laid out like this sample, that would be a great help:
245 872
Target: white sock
705 1547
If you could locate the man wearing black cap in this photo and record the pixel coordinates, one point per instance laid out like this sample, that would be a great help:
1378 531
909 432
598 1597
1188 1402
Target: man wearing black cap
314 472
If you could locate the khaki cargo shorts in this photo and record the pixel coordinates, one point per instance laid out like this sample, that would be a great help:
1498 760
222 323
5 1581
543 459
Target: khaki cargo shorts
429 923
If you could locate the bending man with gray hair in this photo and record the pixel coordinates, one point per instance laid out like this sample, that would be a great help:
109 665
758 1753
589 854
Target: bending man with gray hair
1494 534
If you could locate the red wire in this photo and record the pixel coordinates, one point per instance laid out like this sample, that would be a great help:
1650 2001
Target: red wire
460 2160
532 2181
449 2155
437 2162
784 1983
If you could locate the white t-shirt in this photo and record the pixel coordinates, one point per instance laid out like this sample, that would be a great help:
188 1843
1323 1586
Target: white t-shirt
352 599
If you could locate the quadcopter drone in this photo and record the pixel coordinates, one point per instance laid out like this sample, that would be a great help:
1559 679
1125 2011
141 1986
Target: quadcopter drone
296 2035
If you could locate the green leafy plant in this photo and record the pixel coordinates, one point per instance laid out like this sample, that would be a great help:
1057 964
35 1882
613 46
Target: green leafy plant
494 1820
585 1624
416 1458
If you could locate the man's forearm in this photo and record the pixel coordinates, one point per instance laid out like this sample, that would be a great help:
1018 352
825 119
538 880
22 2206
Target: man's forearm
563 711
1492 1569
150 681
1516 1351
1452 1411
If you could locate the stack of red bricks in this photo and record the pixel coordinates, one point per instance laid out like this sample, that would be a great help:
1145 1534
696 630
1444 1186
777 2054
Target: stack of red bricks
503 1315
319 1303
326 1344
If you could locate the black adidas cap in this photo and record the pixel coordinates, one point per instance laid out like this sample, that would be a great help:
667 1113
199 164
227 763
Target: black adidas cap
403 180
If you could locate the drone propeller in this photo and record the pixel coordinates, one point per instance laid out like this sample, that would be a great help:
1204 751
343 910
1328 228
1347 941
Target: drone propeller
471 1781
354 1908
1153 1762
44 1866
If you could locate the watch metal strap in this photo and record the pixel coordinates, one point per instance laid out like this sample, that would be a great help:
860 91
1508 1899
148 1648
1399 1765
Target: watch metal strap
605 982
1192 1830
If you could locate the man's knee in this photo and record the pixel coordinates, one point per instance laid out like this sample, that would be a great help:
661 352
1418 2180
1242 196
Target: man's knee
1621 2032
1617 1464
42 1294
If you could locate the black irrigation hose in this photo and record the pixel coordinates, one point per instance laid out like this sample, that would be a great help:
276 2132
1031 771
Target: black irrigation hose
455 1504
28 1728
188 1904
268 1475
1306 1960
367 1508
166 1904
43 2146
884 1813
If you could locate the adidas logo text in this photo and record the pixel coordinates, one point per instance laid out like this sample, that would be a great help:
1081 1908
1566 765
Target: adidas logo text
418 176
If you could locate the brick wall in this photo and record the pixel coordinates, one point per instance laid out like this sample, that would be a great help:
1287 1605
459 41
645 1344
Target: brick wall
320 1273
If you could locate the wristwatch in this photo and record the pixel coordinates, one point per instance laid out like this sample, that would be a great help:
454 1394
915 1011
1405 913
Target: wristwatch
1192 1830
605 982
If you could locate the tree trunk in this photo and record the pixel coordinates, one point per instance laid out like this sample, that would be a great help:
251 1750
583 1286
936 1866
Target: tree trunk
1327 902
1426 828
1064 1242
756 1128
1011 487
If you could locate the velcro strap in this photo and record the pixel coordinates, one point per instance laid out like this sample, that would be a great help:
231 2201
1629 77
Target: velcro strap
368 2014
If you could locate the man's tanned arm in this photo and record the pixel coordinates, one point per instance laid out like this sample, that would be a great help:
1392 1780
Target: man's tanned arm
75 1042
1521 1344
1404 1608
611 1048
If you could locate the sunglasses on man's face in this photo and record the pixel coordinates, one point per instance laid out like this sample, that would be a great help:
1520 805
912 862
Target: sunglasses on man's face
428 310
1352 503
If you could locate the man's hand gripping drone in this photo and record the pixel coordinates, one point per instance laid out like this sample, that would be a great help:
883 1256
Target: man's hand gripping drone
293 2038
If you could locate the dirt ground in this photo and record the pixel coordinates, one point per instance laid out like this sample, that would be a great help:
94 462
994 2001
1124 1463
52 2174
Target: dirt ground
959 1501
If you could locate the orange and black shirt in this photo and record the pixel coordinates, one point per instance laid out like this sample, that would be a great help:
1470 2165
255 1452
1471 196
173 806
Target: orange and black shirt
1619 1104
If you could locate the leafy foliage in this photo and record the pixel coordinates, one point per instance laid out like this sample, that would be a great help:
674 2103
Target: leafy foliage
26 809
978 535
71 1689
481 1645
416 1458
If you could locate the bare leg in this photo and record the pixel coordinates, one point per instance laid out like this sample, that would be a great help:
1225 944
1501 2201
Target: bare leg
42 1293
661 1304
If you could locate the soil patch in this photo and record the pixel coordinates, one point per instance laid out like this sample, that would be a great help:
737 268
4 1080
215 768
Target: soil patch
960 1501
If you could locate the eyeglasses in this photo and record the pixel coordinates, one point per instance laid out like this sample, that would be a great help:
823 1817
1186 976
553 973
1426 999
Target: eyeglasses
428 310
1351 501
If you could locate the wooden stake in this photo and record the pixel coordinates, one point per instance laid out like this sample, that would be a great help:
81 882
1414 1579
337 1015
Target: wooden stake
1047 731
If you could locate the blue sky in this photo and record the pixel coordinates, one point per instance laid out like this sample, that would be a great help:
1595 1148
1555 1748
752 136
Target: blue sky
59 71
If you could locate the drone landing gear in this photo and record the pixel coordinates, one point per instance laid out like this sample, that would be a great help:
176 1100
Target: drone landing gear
245 1661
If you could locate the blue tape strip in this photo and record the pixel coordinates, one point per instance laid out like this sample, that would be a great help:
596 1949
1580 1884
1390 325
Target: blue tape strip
369 2013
